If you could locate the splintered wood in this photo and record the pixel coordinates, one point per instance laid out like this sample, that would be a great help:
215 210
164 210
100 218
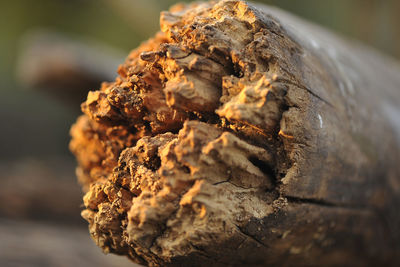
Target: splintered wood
241 135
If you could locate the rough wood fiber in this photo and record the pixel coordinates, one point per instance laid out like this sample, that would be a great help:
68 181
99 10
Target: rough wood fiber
241 135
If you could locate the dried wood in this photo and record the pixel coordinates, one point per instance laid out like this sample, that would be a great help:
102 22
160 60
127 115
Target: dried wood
241 135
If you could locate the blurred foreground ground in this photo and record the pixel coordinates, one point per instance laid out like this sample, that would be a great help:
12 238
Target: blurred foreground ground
40 223
32 243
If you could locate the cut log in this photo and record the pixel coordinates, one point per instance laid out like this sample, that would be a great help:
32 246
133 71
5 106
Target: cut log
241 135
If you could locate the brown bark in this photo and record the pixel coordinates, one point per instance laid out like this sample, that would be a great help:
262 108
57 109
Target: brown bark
241 135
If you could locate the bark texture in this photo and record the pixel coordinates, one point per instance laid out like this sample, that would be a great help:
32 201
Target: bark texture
241 135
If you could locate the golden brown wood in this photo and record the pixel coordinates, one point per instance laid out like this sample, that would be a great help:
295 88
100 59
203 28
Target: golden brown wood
241 135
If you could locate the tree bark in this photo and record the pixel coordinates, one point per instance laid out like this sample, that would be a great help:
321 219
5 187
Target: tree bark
241 135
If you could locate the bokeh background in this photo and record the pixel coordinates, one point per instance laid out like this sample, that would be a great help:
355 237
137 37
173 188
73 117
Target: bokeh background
51 53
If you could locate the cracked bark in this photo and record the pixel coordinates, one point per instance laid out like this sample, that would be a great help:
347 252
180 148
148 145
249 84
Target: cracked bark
241 135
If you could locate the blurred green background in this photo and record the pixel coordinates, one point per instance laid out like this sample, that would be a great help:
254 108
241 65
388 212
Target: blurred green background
37 181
